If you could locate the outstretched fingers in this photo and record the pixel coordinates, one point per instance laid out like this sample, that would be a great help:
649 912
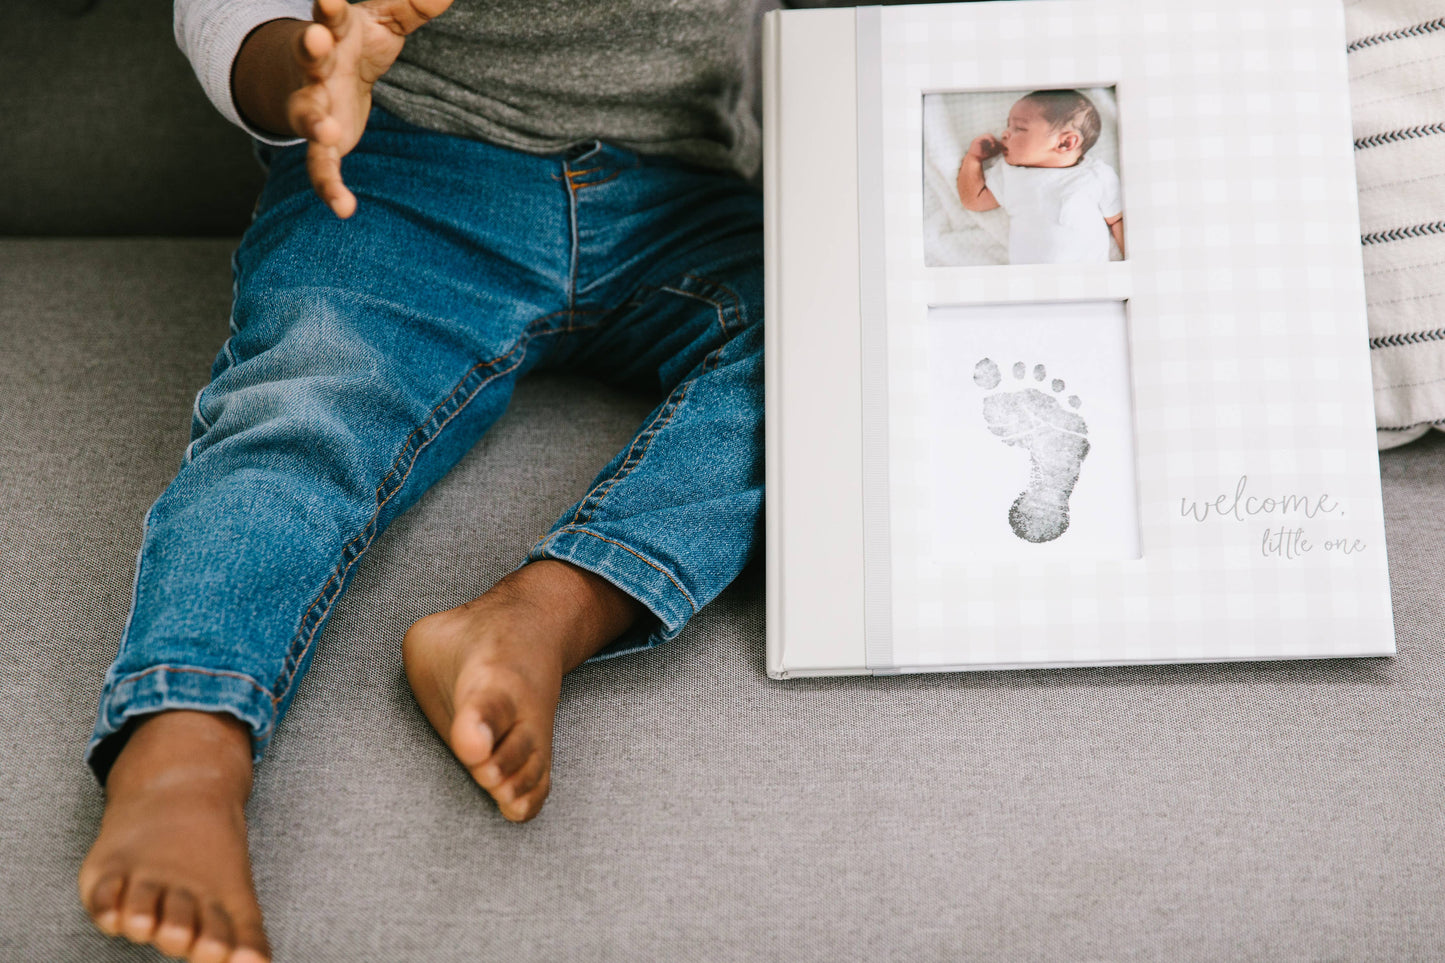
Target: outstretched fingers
404 16
335 14
310 115
316 51
323 164
311 109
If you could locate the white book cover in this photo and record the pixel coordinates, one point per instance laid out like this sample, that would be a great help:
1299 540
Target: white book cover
1067 359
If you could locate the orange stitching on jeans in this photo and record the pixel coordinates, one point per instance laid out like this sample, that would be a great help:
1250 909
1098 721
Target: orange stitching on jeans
541 544
580 173
644 558
600 180
521 344
737 301
602 489
717 305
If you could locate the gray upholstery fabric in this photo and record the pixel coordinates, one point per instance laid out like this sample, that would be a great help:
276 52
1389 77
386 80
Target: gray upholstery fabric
700 811
104 128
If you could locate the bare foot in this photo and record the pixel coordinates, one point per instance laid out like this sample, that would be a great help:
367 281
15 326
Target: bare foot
170 866
488 674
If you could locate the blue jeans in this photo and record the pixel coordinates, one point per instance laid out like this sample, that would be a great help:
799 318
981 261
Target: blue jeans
368 355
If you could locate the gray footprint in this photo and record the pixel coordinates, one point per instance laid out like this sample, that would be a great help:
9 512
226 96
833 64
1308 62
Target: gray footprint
1055 438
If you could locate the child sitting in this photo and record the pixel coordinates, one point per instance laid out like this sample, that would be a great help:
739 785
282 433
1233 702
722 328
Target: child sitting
528 185
1063 205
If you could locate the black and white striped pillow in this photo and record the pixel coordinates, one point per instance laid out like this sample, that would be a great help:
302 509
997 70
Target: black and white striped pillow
1397 87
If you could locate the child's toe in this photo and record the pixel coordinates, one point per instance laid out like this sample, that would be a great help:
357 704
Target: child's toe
483 719
471 740
102 901
527 777
138 916
177 929
511 753
528 805
216 936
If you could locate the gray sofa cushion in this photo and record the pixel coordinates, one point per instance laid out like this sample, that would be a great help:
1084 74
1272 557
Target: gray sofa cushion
104 128
1269 810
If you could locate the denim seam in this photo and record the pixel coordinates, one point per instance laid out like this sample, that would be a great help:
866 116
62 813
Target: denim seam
575 254
629 463
717 305
196 410
185 668
571 530
230 356
134 588
736 301
734 306
236 283
316 612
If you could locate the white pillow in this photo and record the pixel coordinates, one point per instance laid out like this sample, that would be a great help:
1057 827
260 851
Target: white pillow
1397 86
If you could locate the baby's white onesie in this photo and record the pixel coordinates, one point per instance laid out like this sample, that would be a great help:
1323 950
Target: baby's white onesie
1056 214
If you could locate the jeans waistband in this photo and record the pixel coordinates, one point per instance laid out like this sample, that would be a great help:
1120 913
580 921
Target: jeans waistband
595 150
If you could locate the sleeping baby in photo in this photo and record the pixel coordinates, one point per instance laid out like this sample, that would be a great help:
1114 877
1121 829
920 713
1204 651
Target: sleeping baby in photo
1063 205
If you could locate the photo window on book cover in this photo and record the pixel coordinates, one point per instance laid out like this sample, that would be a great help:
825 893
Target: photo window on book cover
1026 176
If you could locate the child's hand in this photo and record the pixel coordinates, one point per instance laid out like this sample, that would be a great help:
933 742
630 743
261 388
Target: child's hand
342 55
984 147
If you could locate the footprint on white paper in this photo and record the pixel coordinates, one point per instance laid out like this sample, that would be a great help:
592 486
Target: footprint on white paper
1055 438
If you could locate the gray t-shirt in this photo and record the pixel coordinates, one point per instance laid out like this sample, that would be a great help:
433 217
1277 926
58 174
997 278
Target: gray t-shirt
655 76
676 77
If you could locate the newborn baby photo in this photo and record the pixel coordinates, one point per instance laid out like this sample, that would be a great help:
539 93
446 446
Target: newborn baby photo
1021 177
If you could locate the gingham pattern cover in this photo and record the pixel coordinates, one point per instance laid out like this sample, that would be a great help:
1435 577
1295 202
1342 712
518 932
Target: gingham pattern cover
1246 308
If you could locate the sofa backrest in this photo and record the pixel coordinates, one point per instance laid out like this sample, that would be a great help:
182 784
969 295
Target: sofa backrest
104 129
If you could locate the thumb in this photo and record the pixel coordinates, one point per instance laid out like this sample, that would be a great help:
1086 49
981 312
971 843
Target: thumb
405 16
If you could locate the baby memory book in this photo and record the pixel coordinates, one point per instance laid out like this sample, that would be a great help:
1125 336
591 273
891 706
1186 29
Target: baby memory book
1067 359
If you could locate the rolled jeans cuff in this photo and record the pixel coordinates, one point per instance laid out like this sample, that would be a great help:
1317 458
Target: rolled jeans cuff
643 578
177 687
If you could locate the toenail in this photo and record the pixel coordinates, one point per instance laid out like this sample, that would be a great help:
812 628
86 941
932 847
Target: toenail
492 773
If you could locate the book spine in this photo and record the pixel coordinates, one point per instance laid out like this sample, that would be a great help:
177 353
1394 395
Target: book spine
772 360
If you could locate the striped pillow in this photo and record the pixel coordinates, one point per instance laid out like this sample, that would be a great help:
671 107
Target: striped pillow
1397 86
